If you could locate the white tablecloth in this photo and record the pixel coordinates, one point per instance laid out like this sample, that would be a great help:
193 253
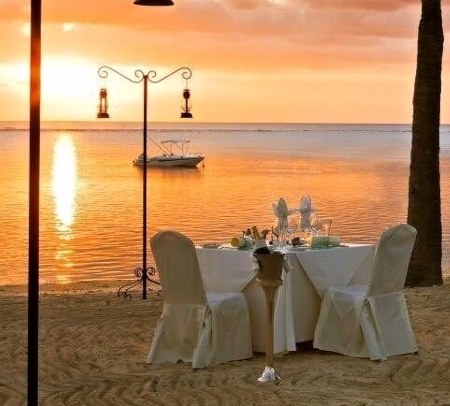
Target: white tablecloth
298 298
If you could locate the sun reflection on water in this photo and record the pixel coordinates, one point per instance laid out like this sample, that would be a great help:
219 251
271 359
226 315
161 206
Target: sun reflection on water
64 179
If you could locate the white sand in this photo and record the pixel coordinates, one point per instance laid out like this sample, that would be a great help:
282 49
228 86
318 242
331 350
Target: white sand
93 347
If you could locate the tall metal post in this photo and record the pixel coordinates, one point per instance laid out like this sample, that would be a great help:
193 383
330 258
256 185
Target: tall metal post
144 198
34 193
33 217
143 274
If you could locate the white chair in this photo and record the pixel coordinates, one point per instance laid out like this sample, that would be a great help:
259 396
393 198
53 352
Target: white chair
205 328
372 320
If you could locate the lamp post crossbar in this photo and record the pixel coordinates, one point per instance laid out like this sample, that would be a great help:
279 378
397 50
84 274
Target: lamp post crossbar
151 76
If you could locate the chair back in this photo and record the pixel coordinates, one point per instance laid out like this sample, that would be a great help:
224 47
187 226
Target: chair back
178 268
392 257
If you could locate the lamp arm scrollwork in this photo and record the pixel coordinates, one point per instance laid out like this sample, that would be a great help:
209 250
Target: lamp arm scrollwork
186 74
103 73
140 75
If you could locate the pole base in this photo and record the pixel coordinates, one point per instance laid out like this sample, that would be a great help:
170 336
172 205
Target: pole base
269 375
125 290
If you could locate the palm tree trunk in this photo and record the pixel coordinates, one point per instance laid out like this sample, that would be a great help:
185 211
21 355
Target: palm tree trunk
424 200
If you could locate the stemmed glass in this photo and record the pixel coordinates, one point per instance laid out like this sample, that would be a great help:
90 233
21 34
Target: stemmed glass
279 230
292 227
326 224
285 231
319 224
316 224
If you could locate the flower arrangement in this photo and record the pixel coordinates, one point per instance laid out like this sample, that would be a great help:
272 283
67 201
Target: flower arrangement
255 234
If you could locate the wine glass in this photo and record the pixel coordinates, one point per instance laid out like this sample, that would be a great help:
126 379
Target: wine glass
279 231
326 224
292 227
316 224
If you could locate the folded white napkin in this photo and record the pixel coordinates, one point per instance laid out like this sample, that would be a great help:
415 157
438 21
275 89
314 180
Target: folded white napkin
282 212
305 213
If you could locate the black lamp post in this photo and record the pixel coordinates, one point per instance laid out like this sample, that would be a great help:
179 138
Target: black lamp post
33 216
151 76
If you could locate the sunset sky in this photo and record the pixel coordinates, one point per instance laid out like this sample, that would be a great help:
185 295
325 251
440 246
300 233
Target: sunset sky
313 61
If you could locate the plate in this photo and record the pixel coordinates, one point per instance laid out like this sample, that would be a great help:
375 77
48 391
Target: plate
213 245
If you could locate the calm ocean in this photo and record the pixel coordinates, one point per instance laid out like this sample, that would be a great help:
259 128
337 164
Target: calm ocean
91 194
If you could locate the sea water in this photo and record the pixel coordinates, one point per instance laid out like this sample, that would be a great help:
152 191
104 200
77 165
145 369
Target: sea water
91 195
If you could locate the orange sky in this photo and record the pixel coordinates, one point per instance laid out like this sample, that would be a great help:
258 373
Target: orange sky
339 61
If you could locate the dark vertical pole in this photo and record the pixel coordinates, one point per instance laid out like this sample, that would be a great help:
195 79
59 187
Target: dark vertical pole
144 199
33 217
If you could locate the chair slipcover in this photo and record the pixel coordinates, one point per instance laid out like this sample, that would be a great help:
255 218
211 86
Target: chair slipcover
372 320
205 328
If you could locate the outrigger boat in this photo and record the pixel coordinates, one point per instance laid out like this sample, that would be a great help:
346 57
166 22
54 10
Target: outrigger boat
169 157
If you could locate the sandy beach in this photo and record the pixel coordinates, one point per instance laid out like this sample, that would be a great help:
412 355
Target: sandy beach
93 347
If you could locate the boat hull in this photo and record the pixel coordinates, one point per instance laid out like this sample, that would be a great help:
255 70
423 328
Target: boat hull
184 161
